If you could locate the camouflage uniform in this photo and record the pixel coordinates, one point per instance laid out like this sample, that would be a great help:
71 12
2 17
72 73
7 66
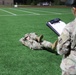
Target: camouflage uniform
33 41
67 47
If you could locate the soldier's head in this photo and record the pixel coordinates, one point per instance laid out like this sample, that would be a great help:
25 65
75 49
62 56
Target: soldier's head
74 10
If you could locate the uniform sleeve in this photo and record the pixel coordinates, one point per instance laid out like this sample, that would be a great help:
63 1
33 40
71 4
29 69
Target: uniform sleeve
63 42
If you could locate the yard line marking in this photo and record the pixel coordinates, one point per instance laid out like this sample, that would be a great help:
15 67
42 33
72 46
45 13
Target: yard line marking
54 12
32 14
25 11
44 11
6 15
8 12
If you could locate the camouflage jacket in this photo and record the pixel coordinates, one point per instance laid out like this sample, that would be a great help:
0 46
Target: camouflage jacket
66 41
67 47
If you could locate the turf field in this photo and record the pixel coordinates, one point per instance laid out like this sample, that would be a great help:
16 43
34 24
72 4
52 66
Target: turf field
16 59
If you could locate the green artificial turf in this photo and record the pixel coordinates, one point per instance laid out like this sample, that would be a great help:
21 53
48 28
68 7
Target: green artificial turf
16 59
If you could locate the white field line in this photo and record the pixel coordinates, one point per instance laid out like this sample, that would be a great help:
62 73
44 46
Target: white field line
24 15
54 12
8 12
44 11
6 15
25 11
33 14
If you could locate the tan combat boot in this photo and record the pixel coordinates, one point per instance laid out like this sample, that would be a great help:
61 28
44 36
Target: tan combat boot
39 39
54 45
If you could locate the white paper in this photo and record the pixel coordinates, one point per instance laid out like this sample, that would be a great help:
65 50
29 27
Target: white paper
59 26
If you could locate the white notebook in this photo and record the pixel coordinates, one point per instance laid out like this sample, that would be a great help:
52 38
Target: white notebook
57 27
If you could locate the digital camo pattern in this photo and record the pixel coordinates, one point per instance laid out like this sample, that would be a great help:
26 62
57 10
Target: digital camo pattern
67 47
33 41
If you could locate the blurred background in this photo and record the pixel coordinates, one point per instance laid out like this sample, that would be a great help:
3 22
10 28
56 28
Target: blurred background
37 2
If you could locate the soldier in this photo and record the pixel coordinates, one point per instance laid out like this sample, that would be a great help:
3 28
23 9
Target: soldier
33 41
66 46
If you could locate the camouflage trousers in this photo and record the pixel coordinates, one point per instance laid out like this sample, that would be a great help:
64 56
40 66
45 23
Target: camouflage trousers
68 65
